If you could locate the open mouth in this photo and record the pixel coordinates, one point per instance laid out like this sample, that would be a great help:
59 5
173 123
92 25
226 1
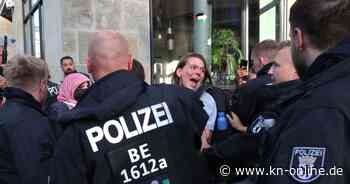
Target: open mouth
194 80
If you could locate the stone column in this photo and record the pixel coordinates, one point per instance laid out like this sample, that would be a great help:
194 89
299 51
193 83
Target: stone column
201 30
52 37
18 26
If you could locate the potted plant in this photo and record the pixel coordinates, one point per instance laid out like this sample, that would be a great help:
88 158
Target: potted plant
226 55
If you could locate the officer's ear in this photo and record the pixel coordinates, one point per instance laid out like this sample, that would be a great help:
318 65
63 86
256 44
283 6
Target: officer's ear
298 38
263 60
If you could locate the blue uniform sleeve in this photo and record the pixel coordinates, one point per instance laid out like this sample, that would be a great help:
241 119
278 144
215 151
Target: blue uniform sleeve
311 149
69 167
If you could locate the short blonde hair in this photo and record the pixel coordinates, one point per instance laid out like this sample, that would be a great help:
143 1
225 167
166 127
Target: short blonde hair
266 48
25 72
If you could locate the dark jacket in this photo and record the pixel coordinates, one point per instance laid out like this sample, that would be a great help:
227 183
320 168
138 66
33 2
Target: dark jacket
244 99
26 140
53 90
264 70
314 129
242 149
145 133
267 98
55 112
1 96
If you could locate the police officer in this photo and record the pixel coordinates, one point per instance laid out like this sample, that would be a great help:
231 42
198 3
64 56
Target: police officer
26 139
242 150
242 102
310 141
52 89
128 131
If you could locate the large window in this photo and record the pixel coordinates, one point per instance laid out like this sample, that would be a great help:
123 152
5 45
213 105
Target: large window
171 36
33 29
217 29
264 21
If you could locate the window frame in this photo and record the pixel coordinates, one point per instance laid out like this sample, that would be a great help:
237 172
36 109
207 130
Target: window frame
28 19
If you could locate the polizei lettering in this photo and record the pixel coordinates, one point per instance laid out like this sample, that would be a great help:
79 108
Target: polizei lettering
161 115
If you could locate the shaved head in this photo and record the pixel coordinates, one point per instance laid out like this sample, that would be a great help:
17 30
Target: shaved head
108 52
283 69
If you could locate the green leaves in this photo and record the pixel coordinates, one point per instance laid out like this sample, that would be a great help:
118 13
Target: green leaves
226 53
224 38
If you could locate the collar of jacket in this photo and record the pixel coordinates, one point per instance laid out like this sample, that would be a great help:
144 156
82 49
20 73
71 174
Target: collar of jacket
264 70
285 87
200 91
339 70
285 92
333 64
329 59
20 96
111 84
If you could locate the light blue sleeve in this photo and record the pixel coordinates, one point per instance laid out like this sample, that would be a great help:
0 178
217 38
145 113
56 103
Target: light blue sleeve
210 108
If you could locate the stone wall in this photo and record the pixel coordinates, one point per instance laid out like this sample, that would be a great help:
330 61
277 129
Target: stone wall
129 17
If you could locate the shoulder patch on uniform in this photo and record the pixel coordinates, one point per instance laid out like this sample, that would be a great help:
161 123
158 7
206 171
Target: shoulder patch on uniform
257 124
305 163
261 123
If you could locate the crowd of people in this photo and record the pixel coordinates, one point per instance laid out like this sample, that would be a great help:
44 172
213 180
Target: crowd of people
112 127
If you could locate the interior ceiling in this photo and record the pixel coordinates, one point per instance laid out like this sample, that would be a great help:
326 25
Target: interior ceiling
226 13
171 8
